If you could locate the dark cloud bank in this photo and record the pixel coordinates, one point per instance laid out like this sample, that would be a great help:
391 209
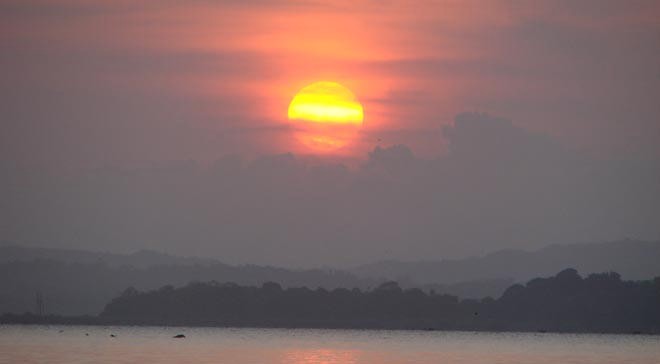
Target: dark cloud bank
498 186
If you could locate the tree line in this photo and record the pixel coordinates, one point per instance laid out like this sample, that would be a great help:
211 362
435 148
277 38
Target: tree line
565 302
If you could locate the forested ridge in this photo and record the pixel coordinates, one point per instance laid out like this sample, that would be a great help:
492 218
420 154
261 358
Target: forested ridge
565 302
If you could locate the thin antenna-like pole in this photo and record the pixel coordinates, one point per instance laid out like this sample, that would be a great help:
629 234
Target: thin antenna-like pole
40 304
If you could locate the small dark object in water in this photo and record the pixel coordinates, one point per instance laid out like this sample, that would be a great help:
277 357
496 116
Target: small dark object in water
86 334
180 336
429 329
113 335
476 313
61 331
636 332
542 331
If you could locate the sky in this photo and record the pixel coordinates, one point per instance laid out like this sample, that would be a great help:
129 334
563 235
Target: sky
487 125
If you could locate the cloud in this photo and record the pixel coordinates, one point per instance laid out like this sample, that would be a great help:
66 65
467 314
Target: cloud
499 186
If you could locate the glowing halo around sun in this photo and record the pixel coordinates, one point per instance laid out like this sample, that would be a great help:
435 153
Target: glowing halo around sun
327 115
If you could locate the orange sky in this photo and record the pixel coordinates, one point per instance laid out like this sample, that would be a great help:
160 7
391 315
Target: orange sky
562 68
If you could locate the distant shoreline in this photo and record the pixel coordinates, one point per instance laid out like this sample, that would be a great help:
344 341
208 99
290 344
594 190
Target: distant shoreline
29 319
564 303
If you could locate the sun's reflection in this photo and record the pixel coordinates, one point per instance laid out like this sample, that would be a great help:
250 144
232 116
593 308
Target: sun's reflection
320 356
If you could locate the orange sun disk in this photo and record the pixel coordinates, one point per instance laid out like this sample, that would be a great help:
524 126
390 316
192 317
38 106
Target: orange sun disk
327 116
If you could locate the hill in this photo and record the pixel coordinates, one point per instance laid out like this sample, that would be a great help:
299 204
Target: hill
79 282
565 302
75 282
632 259
139 259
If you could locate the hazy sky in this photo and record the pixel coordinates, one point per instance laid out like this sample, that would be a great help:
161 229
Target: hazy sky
162 124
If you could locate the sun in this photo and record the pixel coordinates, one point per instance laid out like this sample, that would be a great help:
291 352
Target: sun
326 102
327 115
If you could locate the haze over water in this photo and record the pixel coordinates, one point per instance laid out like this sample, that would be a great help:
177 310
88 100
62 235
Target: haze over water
40 344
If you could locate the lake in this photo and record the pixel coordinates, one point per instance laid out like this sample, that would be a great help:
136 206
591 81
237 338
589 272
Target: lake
93 344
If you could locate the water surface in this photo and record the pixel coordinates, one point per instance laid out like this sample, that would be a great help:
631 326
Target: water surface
93 344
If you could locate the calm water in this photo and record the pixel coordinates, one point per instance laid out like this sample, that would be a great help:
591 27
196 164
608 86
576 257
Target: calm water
46 344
